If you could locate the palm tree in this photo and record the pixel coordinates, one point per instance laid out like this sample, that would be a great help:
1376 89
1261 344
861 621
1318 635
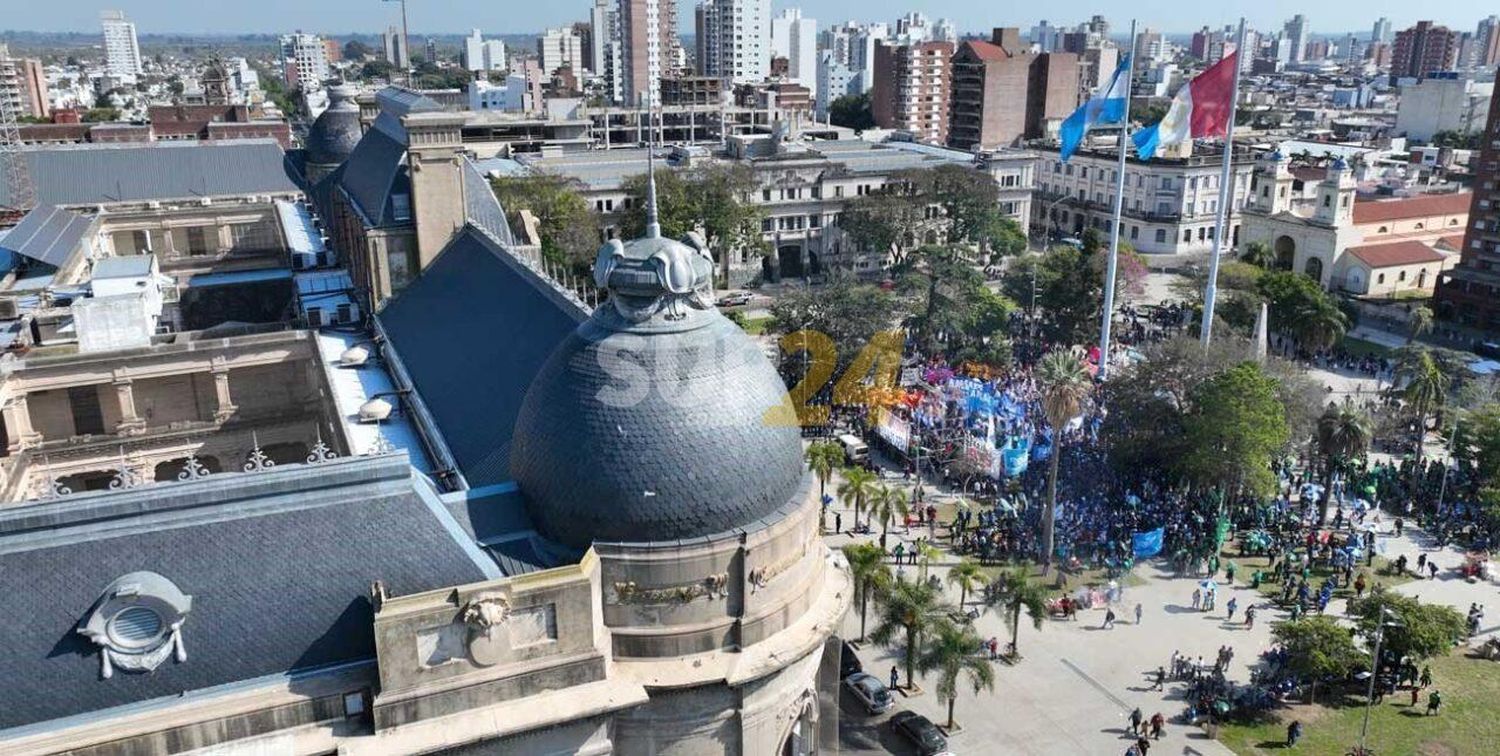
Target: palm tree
823 457
926 553
908 611
856 488
1259 254
886 504
957 651
1014 593
1320 325
1426 391
1419 323
967 575
871 575
1065 387
1343 433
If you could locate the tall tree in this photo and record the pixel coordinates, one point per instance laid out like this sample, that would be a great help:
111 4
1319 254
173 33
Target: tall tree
1419 323
967 575
1425 392
1317 648
1065 386
955 652
871 574
950 305
823 458
1013 593
714 198
1238 425
857 488
1419 630
1259 254
886 221
566 223
847 312
908 612
1344 433
852 111
886 504
967 197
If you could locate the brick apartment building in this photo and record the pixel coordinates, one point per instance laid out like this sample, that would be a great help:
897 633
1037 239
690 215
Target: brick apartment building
1003 93
1423 49
912 88
1470 293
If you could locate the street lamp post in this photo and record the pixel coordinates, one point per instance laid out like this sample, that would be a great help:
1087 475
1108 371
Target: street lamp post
1364 728
405 44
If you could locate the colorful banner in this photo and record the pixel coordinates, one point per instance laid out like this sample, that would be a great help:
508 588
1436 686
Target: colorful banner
894 430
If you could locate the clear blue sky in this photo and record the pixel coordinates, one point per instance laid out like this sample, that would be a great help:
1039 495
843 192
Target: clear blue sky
523 16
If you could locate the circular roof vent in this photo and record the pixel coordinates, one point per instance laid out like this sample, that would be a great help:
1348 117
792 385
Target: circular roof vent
375 411
135 627
355 356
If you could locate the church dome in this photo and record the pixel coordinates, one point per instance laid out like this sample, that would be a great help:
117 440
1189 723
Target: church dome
657 419
333 136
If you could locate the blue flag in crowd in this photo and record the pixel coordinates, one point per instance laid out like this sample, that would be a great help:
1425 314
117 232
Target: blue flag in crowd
1149 543
1105 109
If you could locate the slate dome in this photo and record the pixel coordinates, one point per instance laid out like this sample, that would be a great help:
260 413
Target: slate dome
649 423
334 134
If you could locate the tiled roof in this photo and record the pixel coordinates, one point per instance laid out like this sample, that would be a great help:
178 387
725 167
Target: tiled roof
376 169
1454 242
987 50
98 174
1423 206
1395 253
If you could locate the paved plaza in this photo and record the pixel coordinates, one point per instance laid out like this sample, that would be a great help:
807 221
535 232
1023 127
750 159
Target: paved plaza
1076 684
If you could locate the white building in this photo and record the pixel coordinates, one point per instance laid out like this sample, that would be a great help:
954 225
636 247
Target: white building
853 45
737 47
396 53
1443 101
913 27
1171 204
560 47
304 60
795 38
482 54
945 31
122 54
835 80
1296 31
1383 31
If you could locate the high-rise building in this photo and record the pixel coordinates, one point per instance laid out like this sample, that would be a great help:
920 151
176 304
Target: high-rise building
1199 46
737 40
853 45
1296 31
1003 92
558 48
430 50
23 86
913 27
1470 293
1487 43
945 31
1150 47
304 60
835 79
648 42
395 48
912 87
795 37
1382 31
1045 36
122 54
1423 49
482 54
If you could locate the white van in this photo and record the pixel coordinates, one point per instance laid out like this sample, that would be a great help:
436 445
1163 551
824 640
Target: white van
855 451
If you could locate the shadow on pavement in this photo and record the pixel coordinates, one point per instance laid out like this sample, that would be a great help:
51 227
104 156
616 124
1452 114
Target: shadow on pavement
861 733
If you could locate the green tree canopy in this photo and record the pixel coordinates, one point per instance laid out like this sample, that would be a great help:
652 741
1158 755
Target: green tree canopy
909 611
1318 648
852 111
715 198
848 312
568 226
955 652
1237 426
1419 630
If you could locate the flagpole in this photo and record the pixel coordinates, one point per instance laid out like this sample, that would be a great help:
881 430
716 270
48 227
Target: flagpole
1114 234
1226 192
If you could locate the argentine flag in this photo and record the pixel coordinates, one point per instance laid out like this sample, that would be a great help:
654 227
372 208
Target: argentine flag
1106 109
1202 108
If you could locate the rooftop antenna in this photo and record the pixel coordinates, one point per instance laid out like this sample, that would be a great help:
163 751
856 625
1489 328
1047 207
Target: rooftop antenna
653 225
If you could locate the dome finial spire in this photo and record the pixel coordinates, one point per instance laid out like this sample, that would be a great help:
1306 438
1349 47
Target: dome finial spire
653 225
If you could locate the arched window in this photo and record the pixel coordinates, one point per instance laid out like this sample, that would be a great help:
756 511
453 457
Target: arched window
1314 269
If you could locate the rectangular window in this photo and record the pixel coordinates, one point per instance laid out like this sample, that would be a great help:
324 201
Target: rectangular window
197 241
1161 236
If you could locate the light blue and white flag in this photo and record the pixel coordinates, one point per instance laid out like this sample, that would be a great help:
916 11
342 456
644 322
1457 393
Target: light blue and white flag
1104 109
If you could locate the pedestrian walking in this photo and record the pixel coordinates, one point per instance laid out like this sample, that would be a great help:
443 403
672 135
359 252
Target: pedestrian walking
1293 734
1233 604
1136 719
1158 725
838 522
1434 700
895 677
1249 618
1432 568
1426 676
1109 619
1138 614
1161 678
1197 597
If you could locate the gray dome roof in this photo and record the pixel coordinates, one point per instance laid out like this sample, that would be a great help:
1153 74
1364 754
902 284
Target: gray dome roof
333 136
649 422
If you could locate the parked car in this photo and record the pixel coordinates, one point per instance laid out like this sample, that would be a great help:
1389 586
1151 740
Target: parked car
848 662
921 731
736 299
870 692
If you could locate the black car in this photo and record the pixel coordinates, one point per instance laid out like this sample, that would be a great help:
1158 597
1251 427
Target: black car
848 662
919 730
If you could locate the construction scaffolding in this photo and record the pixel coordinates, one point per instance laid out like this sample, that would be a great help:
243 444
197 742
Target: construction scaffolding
21 196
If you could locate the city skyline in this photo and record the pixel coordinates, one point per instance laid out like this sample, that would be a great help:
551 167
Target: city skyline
373 16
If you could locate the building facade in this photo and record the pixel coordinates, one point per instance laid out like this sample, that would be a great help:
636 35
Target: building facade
1470 294
912 89
304 60
736 43
1002 92
1170 205
122 54
1422 50
1444 101
795 37
648 40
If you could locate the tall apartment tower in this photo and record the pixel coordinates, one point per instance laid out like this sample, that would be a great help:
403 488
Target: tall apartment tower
1470 293
1423 49
795 37
560 47
1296 30
1002 92
648 39
395 48
912 88
737 43
1382 31
1487 43
304 60
122 54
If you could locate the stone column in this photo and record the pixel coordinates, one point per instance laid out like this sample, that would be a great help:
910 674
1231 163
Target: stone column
18 425
130 423
225 408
